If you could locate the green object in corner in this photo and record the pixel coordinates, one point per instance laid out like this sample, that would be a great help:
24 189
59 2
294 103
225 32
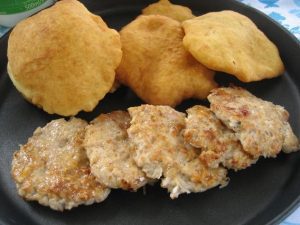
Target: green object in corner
17 6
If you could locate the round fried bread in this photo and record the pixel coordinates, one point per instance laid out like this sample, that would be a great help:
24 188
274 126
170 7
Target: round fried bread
63 59
230 42
53 169
157 67
166 8
109 152
160 150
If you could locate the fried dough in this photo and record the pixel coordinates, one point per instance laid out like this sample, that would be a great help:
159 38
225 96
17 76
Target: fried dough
166 8
230 42
63 59
156 66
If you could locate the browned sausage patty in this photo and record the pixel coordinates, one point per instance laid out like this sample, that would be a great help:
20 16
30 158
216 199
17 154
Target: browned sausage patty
53 169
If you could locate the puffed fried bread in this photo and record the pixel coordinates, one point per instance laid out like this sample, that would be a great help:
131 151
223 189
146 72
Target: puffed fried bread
157 67
230 42
166 8
63 59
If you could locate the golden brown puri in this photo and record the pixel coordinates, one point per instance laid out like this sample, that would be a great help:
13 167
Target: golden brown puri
63 59
157 67
53 169
230 42
166 8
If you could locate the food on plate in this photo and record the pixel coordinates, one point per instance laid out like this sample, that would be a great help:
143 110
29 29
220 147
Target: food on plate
230 42
156 132
218 144
53 169
157 67
110 152
65 164
114 87
261 126
63 59
166 8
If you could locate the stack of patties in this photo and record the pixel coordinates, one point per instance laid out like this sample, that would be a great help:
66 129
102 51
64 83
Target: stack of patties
69 163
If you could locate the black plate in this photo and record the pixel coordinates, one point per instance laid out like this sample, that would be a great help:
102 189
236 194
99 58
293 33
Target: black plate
264 193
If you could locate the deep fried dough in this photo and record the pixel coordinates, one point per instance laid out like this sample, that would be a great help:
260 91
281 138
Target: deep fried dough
166 8
156 66
63 59
230 42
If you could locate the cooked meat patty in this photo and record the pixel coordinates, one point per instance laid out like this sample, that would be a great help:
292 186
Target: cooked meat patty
260 125
218 144
161 151
52 167
291 142
109 152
